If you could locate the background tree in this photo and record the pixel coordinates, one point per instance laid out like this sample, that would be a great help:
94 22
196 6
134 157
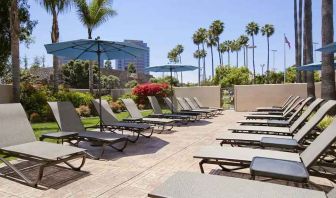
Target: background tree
267 30
36 62
203 36
211 42
297 58
236 47
199 54
227 46
328 72
303 75
43 60
173 56
252 29
131 84
92 15
197 41
55 7
243 39
308 46
131 68
25 62
179 50
230 76
166 79
217 28
110 82
15 48
108 65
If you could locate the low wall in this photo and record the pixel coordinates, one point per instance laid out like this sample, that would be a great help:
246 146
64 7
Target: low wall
6 95
249 97
116 93
208 95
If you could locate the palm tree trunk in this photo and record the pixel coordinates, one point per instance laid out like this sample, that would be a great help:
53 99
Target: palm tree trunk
328 72
229 58
204 72
268 51
199 67
308 46
237 57
253 59
55 39
298 73
212 63
304 74
244 56
90 66
219 53
15 49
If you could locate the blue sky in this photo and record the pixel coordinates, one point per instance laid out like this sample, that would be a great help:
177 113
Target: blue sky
166 23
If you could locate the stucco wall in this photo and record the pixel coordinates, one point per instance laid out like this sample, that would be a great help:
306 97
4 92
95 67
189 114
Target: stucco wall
249 97
6 95
208 95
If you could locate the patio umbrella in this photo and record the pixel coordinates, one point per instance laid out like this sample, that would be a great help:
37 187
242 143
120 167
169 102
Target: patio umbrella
98 50
171 68
312 67
329 49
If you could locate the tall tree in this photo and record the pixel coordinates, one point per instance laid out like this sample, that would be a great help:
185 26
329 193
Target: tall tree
203 36
243 39
15 48
308 46
328 72
267 30
236 47
179 50
55 7
92 15
200 54
217 28
252 29
197 41
226 46
303 75
211 42
297 58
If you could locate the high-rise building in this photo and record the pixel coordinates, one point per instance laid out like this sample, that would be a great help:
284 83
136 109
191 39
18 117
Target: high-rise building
140 62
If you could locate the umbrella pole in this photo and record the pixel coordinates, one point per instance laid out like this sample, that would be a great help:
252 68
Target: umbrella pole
171 88
99 90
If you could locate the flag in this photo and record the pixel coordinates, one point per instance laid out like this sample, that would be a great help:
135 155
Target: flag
286 41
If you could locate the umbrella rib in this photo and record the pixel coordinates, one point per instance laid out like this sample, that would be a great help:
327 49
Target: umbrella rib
119 50
84 51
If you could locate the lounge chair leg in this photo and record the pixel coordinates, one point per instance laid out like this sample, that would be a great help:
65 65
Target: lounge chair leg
201 165
148 136
122 148
136 139
80 166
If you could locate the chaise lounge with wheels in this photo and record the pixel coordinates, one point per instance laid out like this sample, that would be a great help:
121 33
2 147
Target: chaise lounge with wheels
111 123
17 139
68 121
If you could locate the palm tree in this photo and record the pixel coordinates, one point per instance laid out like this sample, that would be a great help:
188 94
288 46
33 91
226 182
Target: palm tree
235 47
217 28
15 49
197 41
55 7
243 39
223 48
252 29
328 73
203 36
308 46
92 15
267 30
211 42
297 58
304 76
179 50
227 48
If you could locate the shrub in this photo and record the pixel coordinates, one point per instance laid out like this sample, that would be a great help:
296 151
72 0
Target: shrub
83 110
108 98
229 76
141 106
76 98
131 84
116 106
325 122
150 89
35 117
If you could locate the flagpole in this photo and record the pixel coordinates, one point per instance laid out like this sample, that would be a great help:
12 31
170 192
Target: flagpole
284 59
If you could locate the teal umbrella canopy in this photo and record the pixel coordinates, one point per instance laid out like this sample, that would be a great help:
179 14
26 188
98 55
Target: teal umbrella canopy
329 49
171 68
86 49
312 67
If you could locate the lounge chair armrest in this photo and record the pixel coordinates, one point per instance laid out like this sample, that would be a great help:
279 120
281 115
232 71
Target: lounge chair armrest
132 119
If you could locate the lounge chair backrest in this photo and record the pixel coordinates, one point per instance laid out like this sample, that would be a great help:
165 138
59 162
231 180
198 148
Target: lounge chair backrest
320 144
132 108
290 105
287 101
305 114
155 104
66 117
198 102
285 114
170 104
108 117
313 121
183 103
190 103
299 109
15 127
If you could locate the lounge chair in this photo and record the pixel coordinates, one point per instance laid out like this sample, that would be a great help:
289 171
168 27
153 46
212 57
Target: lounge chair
277 108
68 121
136 116
17 139
282 142
193 106
159 114
111 123
188 184
278 130
195 115
286 113
275 122
186 108
312 157
201 106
